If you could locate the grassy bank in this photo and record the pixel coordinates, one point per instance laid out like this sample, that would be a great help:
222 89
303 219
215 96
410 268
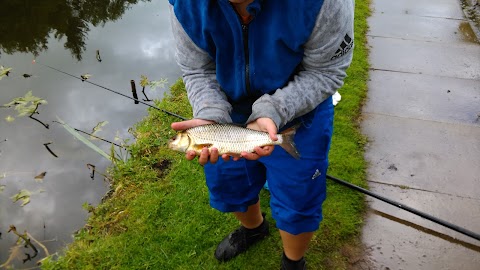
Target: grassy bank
158 215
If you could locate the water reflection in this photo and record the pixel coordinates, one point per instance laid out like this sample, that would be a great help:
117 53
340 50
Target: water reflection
27 25
138 43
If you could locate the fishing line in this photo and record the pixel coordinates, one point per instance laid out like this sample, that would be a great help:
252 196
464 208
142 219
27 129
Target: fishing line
113 91
89 134
342 182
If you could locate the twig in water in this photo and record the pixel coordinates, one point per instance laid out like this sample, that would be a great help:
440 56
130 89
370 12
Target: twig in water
49 150
99 59
28 243
92 174
147 99
91 167
38 243
35 112
134 91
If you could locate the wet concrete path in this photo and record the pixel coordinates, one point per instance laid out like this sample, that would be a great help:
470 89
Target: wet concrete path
422 118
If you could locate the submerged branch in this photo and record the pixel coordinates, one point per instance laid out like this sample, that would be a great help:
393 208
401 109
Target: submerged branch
50 150
147 99
93 170
35 112
38 243
27 241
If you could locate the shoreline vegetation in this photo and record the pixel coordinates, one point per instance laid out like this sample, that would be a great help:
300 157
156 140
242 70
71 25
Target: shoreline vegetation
157 214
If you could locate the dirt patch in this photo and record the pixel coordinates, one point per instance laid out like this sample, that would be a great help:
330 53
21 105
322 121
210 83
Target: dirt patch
161 167
471 9
358 257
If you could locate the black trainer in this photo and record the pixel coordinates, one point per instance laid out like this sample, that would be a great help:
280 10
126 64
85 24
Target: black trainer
288 264
240 240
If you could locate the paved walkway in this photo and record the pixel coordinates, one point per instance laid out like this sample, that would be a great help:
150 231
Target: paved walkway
422 117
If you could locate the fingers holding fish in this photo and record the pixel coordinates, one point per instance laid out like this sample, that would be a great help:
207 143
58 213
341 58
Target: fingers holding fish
213 158
259 152
266 125
204 156
183 125
226 157
190 155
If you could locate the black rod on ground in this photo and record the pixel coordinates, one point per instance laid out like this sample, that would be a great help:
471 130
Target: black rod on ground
409 209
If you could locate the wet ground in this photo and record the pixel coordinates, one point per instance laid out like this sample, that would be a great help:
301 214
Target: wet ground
422 118
132 40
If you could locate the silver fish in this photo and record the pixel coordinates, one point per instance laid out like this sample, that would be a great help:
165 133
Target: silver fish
230 139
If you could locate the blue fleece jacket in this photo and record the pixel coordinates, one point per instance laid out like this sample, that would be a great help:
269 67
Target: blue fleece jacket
246 68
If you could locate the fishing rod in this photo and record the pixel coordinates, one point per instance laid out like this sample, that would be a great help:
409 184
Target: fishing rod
113 91
407 208
342 182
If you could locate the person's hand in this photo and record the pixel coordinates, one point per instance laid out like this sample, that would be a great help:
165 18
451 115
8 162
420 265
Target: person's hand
206 155
266 125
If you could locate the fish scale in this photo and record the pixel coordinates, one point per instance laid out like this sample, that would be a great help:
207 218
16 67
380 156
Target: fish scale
230 138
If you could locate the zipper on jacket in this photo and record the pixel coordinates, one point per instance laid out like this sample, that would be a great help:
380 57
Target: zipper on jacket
245 49
247 58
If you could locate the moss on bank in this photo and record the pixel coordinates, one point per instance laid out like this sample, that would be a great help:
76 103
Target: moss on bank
158 215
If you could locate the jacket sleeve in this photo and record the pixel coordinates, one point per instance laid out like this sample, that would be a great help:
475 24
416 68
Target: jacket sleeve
322 68
207 99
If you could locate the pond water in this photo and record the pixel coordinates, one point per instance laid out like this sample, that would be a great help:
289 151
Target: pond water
133 39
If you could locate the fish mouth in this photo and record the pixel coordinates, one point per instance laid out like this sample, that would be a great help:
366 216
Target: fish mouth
178 142
171 142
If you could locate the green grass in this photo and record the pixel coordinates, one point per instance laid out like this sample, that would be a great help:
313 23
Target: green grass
158 216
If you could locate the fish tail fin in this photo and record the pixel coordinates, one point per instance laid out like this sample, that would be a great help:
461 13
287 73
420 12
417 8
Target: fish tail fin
288 144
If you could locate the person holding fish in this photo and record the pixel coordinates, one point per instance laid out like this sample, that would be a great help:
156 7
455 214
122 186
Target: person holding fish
271 66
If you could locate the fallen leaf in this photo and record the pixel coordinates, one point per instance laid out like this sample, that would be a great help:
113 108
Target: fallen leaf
23 195
39 178
9 119
4 71
2 187
85 76
26 105
97 128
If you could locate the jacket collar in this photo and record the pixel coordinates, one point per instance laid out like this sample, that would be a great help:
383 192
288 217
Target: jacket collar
253 8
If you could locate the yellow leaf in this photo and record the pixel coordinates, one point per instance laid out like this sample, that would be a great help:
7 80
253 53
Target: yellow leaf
23 195
9 118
